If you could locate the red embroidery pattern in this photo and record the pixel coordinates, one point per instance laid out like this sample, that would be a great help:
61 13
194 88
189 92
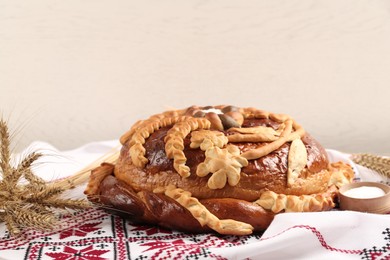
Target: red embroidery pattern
381 253
28 235
80 231
104 236
151 230
176 249
70 253
119 232
320 238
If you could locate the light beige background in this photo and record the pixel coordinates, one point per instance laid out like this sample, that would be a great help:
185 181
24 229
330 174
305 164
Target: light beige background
77 71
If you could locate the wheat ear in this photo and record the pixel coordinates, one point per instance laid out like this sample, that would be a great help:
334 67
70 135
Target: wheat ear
373 162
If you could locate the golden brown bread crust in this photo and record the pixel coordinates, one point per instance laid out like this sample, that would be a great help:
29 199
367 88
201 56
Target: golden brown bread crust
198 170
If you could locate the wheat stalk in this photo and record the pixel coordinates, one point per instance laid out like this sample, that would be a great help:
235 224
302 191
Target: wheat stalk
5 154
24 168
29 218
67 203
374 162
33 204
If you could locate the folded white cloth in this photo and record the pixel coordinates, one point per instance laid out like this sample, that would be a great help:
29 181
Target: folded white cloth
320 235
95 234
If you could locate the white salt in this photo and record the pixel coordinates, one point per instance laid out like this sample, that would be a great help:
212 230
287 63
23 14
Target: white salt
215 110
364 192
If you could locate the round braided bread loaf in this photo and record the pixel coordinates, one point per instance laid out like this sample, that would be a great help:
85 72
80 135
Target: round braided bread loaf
220 168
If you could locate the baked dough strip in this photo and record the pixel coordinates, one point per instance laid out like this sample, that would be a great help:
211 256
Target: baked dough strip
204 216
142 123
286 136
296 161
253 134
290 203
174 142
144 130
341 174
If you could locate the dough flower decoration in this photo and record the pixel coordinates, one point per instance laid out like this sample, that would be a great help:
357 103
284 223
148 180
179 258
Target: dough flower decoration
224 164
205 139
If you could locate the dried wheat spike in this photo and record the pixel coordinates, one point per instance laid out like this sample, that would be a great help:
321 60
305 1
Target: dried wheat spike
373 162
